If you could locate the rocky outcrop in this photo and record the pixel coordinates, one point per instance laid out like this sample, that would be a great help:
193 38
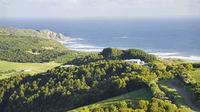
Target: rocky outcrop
34 33
53 35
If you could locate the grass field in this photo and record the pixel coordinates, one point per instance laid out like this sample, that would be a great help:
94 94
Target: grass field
35 67
174 60
171 91
182 94
134 97
196 74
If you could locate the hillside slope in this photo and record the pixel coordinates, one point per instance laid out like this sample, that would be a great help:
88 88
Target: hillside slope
33 33
184 94
32 49
8 69
134 97
62 89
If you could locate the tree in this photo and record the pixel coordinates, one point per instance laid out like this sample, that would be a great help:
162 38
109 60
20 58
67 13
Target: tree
112 53
138 54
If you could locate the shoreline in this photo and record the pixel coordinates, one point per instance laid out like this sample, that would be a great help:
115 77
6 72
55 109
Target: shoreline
78 46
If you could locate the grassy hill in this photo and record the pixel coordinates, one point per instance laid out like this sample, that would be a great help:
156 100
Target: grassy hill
29 49
134 97
62 89
33 49
8 69
100 83
20 32
196 74
32 33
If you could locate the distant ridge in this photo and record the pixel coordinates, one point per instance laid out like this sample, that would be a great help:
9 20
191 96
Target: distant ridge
33 33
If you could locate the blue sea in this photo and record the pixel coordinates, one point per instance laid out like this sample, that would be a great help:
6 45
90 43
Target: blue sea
168 38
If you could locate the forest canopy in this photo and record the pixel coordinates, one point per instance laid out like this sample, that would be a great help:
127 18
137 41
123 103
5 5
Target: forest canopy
33 49
115 54
62 89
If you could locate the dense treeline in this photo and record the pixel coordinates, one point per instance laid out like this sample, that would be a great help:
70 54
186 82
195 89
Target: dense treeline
33 49
156 105
182 73
86 59
187 79
196 65
6 72
69 87
61 89
115 54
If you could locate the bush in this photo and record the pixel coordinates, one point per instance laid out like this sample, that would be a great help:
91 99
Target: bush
138 54
111 53
196 65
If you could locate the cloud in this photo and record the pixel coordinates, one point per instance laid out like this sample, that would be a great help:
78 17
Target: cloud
3 4
99 8
55 1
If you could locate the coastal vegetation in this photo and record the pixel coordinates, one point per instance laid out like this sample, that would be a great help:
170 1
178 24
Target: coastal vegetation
192 85
133 97
47 34
33 49
155 105
62 89
91 82
8 69
114 54
196 74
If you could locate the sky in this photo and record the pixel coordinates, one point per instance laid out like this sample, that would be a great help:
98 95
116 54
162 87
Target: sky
99 8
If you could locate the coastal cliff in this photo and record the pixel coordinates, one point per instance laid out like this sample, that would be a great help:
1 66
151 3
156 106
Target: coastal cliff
33 33
53 35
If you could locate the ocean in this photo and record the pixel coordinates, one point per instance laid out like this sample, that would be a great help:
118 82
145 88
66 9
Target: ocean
168 38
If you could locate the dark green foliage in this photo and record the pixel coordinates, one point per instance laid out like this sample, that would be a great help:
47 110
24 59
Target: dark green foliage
138 54
156 90
111 53
62 89
69 56
32 49
100 76
156 105
196 65
196 91
187 79
87 59
114 54
182 74
69 87
172 94
6 72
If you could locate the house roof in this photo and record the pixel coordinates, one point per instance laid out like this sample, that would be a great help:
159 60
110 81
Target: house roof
133 60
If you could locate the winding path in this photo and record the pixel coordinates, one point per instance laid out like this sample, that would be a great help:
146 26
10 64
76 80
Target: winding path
185 96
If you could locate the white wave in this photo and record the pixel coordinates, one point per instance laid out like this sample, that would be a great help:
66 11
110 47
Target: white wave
90 48
122 37
190 58
63 42
71 42
81 47
166 53
177 55
84 46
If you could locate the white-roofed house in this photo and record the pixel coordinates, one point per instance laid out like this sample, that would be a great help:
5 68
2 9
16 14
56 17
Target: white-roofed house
26 70
135 61
66 65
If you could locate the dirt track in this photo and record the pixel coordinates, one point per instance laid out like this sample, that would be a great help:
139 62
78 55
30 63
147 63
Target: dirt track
185 96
